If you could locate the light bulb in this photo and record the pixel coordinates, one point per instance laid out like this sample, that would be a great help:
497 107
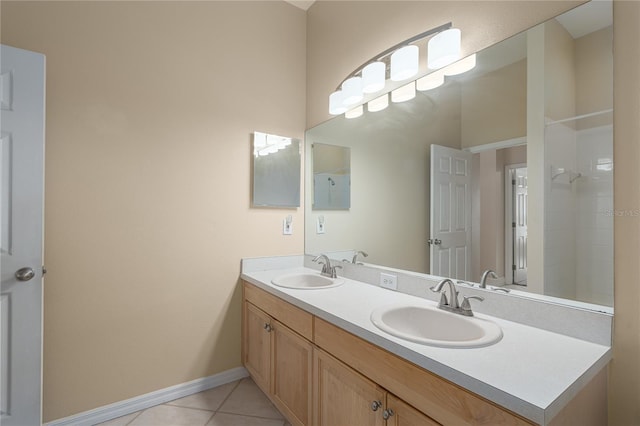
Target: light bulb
404 93
378 104
336 107
373 76
404 63
462 66
431 81
443 49
354 113
352 91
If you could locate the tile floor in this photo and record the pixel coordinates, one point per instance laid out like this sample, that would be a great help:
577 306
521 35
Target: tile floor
239 403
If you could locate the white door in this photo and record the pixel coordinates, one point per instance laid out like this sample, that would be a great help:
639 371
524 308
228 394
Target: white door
22 171
450 237
520 226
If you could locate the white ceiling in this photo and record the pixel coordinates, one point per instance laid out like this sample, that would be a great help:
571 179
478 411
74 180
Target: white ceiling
587 18
302 4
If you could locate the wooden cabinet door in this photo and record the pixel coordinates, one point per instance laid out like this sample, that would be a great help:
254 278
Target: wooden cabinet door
257 345
400 413
291 374
342 396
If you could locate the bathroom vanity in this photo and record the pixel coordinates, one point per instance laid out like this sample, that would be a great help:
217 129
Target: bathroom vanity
319 358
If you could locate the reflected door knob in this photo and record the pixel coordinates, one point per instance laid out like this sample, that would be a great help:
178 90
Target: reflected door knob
25 274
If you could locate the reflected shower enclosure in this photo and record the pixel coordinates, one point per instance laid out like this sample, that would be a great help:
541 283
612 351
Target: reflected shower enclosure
331 177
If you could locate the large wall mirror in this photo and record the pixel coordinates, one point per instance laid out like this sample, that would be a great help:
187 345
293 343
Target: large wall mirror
531 130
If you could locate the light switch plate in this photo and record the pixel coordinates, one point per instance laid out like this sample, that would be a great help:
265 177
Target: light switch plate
320 225
389 281
287 227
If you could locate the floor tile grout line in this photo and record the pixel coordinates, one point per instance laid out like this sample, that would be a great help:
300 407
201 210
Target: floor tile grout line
137 415
229 394
209 419
170 403
253 415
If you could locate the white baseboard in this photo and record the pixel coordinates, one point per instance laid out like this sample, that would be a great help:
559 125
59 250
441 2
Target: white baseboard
131 405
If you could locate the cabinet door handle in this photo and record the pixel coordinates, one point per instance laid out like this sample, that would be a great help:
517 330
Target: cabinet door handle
375 405
268 327
387 413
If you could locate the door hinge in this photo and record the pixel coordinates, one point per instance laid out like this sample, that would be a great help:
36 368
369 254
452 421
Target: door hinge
513 224
513 267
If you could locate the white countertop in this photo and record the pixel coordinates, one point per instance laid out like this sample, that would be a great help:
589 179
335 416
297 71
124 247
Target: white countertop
531 372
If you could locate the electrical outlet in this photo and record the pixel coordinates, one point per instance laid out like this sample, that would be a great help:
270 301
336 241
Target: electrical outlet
389 281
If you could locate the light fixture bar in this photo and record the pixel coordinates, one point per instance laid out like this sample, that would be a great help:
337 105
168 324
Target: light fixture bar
389 51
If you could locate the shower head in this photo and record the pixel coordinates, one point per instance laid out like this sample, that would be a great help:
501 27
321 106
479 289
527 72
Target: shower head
333 183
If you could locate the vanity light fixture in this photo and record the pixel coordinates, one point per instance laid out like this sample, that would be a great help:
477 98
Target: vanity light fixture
355 112
398 63
462 66
430 81
379 103
404 93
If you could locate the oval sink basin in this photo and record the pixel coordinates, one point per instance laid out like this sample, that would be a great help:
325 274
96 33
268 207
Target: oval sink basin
435 327
307 281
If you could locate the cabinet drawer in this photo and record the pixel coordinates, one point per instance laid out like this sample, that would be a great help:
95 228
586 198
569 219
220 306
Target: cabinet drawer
441 400
295 318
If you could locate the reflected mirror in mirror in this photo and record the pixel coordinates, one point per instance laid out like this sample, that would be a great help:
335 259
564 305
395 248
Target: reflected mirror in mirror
331 177
527 145
276 171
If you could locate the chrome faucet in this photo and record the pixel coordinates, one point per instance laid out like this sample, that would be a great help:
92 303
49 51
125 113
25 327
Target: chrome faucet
444 303
454 306
483 280
327 269
355 256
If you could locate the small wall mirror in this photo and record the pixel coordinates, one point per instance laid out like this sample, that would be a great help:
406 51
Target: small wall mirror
276 171
331 177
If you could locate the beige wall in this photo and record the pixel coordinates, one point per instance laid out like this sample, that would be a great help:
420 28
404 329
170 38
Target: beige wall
593 71
494 106
624 381
150 107
559 62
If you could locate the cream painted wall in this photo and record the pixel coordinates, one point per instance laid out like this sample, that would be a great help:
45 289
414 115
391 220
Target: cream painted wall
624 380
150 107
494 106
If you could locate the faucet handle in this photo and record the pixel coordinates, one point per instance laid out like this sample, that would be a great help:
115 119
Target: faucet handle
466 306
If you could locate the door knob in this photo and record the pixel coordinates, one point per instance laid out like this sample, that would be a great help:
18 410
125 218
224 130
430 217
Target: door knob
25 274
437 242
